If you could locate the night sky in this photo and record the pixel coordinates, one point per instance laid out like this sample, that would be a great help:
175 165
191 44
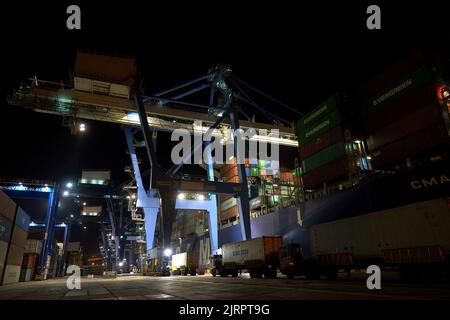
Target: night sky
300 53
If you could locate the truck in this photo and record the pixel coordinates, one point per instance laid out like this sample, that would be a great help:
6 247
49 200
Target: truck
259 256
412 239
185 263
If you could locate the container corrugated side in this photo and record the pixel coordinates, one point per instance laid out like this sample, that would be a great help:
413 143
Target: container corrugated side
399 89
3 250
15 255
23 219
328 172
419 98
415 121
435 136
7 206
415 225
242 251
321 158
229 213
19 237
326 123
5 229
11 274
408 63
317 114
320 143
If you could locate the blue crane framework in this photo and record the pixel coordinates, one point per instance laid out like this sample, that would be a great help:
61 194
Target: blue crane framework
151 113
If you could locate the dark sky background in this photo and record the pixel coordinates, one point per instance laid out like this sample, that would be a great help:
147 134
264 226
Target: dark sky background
300 52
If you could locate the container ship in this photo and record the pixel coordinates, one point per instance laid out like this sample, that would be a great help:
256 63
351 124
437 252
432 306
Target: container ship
372 184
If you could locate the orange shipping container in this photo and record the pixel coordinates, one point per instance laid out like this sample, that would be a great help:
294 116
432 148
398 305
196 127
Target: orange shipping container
228 214
234 179
105 67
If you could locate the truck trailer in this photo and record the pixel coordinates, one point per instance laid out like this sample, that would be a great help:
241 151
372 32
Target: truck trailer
185 263
259 256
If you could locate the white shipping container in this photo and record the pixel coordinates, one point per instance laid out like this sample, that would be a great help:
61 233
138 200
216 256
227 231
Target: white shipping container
119 90
11 274
154 253
247 250
83 84
179 260
416 225
33 246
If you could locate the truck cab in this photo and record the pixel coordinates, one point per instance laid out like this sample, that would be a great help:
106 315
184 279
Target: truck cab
291 259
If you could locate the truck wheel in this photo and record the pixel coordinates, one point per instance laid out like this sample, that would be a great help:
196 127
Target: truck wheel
193 272
223 273
234 274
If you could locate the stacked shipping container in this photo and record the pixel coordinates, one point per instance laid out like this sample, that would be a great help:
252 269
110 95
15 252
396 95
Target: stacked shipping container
403 111
14 224
104 74
229 173
326 136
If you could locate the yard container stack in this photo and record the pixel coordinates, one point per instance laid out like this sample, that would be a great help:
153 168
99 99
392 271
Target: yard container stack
14 224
7 212
33 249
404 111
328 142
17 245
228 203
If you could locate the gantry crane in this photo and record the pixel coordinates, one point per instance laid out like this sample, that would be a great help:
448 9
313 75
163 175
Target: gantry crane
153 113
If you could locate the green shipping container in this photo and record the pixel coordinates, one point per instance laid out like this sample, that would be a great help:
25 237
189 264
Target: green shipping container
399 89
25 274
262 164
331 121
254 172
297 172
311 118
328 154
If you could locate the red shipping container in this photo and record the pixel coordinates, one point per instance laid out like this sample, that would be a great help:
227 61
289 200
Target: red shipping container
403 106
432 137
334 135
412 61
416 121
328 172
29 260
